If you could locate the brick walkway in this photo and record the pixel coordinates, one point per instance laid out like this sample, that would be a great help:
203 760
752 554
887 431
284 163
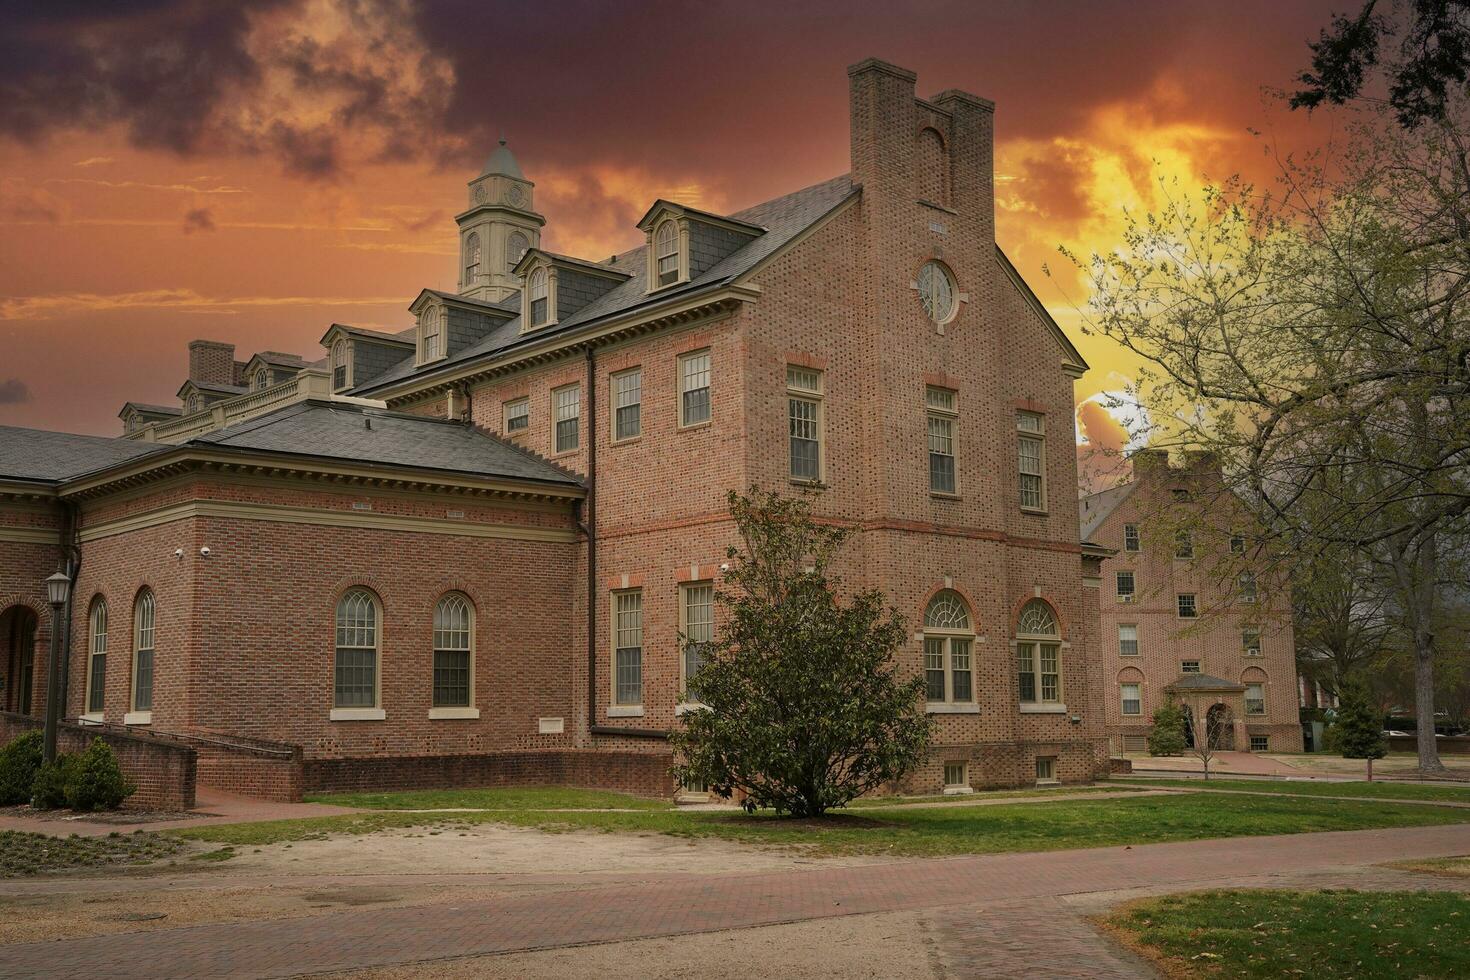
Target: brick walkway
368 937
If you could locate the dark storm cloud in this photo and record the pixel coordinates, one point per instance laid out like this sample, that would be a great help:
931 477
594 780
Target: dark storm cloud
14 391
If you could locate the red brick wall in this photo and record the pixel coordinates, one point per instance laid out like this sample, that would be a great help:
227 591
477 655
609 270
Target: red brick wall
24 567
212 362
643 774
163 769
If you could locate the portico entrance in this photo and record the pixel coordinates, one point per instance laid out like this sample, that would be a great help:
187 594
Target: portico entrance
18 659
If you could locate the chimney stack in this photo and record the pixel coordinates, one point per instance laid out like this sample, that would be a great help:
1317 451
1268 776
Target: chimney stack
211 362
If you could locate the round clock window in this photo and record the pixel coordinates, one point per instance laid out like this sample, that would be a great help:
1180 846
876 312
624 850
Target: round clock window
517 195
937 292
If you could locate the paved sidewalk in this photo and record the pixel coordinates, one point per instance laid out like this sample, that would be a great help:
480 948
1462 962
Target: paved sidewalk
370 937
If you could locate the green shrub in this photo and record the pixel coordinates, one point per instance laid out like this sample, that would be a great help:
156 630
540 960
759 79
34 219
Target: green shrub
19 761
1167 735
1332 739
95 782
48 791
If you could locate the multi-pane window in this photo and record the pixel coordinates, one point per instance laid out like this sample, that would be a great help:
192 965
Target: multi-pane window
1126 586
804 422
515 248
698 627
1130 538
433 333
517 415
666 253
949 640
471 258
1255 699
1260 743
1031 445
97 668
356 674
1038 654
452 652
1247 586
1237 544
1128 639
1186 605
1046 769
1250 642
1132 699
628 647
627 391
262 379
694 388
937 292
537 292
956 775
1189 667
942 413
143 652
1183 544
339 365
566 411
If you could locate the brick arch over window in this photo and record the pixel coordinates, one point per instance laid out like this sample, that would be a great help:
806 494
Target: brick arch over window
931 166
1253 675
1130 675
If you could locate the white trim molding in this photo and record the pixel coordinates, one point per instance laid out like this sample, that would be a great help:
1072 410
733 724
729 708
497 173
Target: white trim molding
446 713
356 714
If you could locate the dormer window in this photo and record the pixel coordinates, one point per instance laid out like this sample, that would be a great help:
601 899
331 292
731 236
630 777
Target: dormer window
431 330
194 404
339 365
471 259
262 379
666 253
538 295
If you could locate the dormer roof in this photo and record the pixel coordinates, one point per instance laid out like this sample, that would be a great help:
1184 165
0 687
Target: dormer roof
404 339
463 302
663 207
567 261
141 408
210 388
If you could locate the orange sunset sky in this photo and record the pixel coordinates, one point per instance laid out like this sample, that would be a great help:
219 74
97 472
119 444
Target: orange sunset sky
251 172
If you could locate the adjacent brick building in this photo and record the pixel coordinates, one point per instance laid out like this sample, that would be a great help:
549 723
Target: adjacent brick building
464 552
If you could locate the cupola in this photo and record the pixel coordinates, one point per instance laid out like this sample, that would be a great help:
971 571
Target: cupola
498 227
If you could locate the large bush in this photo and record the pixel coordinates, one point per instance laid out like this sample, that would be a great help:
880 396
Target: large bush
804 705
95 782
1167 735
19 760
48 791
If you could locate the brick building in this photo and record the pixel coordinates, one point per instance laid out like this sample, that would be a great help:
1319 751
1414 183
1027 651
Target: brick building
1189 611
465 551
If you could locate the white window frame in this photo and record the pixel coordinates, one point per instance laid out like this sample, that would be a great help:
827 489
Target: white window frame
341 361
357 630
667 243
1259 702
1123 650
1183 545
1264 743
1031 430
450 638
688 591
145 659
1030 648
433 325
1247 647
557 408
539 281
511 412
627 393
1132 537
96 694
1125 700
1191 666
687 385
627 603
804 390
1246 587
1126 597
935 282
956 776
949 635
941 419
1046 770
473 249
1179 605
512 257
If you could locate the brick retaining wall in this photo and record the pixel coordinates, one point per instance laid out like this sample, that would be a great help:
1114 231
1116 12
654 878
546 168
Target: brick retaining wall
163 769
643 774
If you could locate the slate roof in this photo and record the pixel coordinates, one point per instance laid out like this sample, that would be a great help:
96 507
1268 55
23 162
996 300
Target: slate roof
152 409
377 437
784 218
41 456
1203 682
1095 508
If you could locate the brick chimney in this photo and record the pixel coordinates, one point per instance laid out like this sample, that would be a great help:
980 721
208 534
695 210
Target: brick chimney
211 362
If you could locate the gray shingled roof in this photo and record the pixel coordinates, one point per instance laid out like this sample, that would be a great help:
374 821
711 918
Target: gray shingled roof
1095 508
153 409
785 218
360 434
40 456
1203 682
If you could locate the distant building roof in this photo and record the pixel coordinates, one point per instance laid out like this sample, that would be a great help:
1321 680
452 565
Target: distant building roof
1095 508
41 456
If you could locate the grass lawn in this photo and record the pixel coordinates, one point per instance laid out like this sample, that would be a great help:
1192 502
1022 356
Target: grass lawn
1361 935
877 802
23 853
926 831
519 798
1362 790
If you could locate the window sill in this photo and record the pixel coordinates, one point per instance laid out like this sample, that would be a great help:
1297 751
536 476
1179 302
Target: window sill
92 718
808 484
951 708
630 440
565 453
453 712
697 425
942 495
1036 511
356 714
138 718
1048 782
958 790
1043 709
685 707
625 711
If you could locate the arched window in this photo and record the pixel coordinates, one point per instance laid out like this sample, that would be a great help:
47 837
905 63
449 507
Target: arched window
536 290
453 652
931 165
262 379
515 247
432 327
193 405
1130 691
937 291
949 639
143 652
666 253
97 658
356 674
471 259
1038 655
339 365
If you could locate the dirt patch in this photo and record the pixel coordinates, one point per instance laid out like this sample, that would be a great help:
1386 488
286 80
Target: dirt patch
1457 867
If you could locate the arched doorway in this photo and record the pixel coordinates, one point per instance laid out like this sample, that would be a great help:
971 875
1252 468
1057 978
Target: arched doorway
1220 723
18 659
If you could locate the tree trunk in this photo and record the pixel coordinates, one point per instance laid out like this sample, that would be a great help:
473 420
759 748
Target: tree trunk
1370 769
1424 702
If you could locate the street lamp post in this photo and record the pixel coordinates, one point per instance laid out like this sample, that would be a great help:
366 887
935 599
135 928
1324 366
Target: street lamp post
57 588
